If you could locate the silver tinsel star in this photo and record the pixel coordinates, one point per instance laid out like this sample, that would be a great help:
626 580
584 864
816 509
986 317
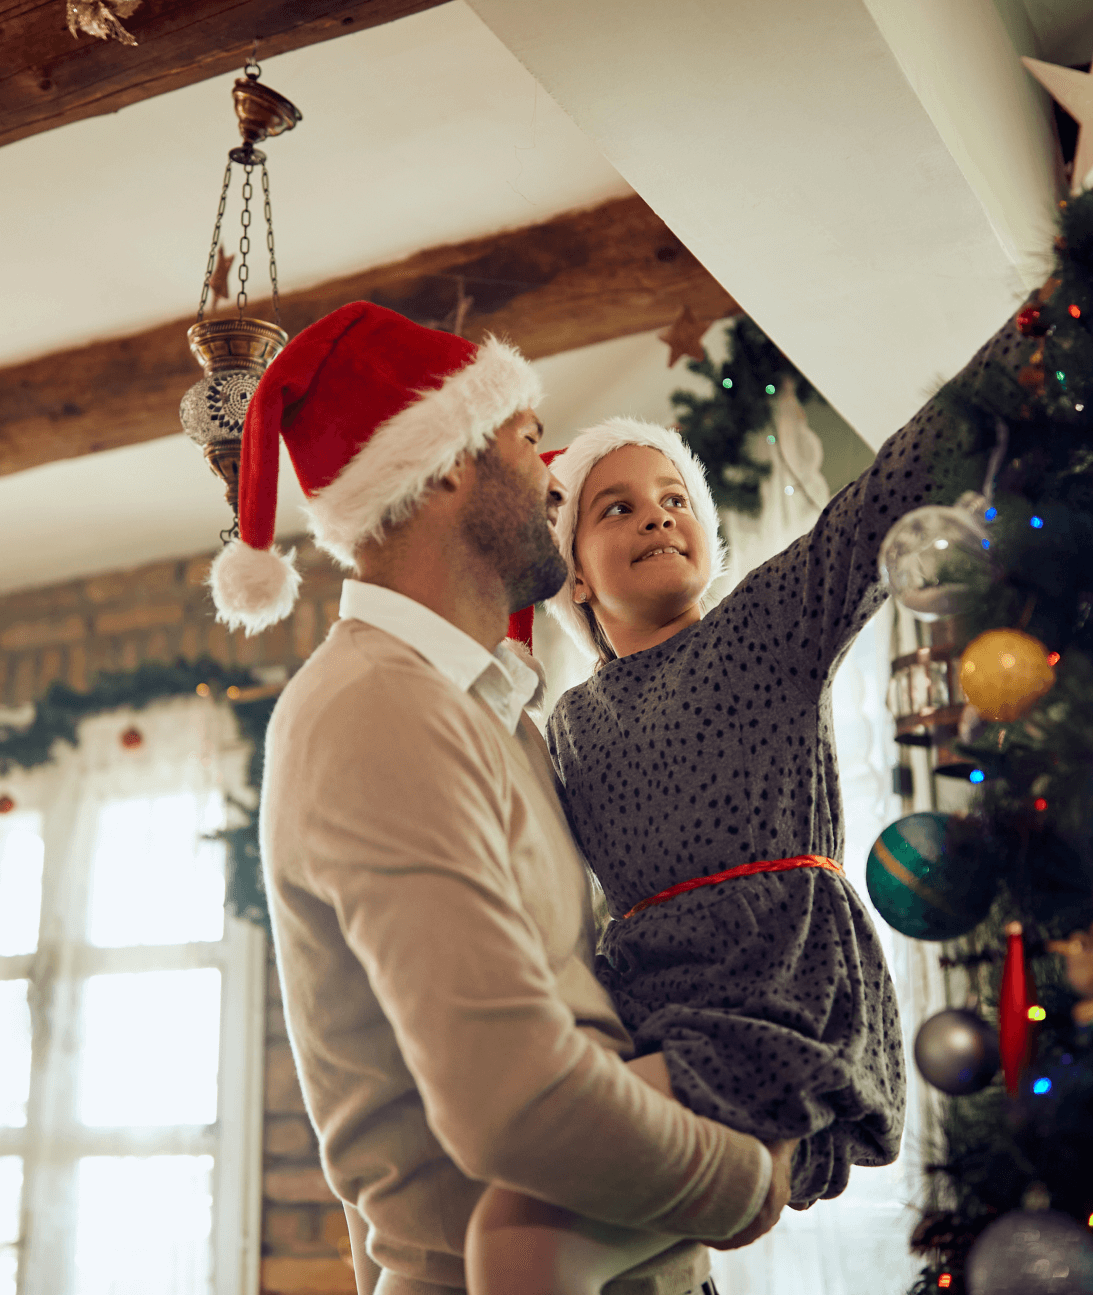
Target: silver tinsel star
100 18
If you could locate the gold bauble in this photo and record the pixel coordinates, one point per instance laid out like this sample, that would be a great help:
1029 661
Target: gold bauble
1004 673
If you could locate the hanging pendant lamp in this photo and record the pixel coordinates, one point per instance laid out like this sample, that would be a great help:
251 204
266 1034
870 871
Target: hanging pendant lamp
234 351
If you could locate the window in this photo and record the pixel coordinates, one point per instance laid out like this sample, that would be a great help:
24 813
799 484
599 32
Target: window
131 1016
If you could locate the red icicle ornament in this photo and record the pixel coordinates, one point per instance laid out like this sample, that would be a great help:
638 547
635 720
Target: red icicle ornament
1016 1032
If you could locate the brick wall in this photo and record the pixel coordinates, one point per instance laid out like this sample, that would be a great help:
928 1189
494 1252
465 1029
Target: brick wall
305 1243
161 612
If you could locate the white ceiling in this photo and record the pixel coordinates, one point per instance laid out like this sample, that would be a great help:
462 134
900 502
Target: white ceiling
428 130
1064 28
416 133
873 180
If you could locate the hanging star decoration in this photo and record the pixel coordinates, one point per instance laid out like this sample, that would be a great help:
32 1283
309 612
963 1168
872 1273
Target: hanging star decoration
100 18
684 336
1073 91
456 318
454 321
218 280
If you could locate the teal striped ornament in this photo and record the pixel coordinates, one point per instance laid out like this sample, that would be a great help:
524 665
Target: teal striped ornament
918 888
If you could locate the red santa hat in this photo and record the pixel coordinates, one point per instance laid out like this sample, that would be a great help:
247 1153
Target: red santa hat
373 409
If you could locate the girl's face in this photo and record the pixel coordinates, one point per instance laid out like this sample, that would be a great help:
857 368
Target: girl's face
641 558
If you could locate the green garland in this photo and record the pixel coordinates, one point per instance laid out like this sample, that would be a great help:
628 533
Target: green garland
58 715
718 427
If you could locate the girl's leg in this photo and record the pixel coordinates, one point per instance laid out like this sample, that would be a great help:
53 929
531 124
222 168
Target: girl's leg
519 1246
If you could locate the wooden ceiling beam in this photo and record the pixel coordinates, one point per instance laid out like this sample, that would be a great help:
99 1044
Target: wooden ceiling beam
49 79
581 278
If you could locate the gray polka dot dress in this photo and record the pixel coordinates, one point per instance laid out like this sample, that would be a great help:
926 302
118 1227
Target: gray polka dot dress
768 994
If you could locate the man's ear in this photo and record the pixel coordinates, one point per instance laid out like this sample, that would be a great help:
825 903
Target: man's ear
453 479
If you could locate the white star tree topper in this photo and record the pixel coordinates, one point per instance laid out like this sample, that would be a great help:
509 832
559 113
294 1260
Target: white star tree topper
1073 91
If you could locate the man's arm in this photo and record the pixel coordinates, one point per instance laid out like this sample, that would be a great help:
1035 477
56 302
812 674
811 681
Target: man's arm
411 850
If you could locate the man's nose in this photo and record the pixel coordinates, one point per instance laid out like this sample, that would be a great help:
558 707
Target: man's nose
556 493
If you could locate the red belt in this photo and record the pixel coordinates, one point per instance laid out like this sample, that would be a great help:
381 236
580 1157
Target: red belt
741 870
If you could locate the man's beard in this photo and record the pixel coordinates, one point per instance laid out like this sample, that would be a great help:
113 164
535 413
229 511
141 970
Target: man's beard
507 523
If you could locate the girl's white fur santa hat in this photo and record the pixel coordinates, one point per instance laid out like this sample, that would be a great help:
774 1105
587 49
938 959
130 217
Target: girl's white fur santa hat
571 468
373 409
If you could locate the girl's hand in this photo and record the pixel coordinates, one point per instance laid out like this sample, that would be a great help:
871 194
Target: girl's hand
781 1153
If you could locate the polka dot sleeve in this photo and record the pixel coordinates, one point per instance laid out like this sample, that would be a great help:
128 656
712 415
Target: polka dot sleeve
809 602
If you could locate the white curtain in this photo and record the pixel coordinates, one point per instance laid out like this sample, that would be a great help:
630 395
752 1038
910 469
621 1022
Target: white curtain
139 1150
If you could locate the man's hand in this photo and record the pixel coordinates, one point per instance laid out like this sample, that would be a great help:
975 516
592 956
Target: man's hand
781 1153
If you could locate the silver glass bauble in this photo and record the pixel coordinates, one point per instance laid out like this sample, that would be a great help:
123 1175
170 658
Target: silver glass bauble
957 1051
214 408
1032 1252
933 558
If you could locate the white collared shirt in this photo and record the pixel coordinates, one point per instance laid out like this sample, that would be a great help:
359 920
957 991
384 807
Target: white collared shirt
499 678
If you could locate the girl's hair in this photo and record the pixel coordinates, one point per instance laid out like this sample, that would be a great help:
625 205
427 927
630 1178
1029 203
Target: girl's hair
572 468
604 650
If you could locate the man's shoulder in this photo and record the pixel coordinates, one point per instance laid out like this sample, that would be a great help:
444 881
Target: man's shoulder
365 681
359 661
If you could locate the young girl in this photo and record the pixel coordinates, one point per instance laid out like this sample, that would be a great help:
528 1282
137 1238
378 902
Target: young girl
700 778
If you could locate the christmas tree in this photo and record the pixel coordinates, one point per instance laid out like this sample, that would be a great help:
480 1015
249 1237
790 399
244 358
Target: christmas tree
1010 883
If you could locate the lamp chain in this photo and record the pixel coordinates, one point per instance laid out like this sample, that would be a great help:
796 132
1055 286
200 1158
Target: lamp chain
269 244
215 242
244 239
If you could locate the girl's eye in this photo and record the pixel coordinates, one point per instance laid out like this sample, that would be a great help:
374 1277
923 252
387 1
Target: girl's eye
612 508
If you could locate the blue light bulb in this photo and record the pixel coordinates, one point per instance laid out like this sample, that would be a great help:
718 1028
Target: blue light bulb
976 775
1036 522
1041 1086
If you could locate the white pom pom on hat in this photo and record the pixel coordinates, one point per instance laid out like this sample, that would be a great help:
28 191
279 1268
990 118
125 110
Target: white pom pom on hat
253 588
373 409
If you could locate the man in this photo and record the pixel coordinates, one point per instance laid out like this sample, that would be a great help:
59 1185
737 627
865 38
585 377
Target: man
430 913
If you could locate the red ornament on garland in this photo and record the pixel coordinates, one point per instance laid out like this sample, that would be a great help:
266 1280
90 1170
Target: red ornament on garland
1016 1031
131 739
1030 321
6 804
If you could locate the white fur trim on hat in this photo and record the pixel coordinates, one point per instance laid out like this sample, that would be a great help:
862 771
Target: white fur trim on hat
571 469
253 588
386 479
523 653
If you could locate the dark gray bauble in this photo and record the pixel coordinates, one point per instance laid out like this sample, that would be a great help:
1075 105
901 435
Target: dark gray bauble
1032 1252
957 1051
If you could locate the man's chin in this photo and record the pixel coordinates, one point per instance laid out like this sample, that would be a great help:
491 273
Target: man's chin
543 580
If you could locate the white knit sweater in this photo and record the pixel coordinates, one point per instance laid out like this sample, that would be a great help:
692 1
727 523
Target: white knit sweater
433 934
